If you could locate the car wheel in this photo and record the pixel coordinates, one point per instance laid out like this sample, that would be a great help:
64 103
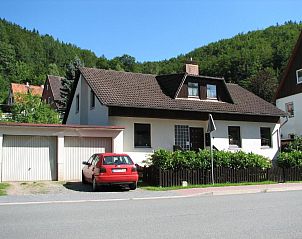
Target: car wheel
132 186
83 179
94 185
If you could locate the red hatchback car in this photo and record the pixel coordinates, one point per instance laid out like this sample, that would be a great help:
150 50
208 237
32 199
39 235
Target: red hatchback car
109 169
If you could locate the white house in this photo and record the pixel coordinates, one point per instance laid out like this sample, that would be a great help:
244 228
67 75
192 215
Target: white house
171 111
289 93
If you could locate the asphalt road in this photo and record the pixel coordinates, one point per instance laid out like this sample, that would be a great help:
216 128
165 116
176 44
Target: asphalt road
263 215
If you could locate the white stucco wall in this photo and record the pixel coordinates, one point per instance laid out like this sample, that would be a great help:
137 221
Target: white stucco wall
87 115
250 137
163 135
294 124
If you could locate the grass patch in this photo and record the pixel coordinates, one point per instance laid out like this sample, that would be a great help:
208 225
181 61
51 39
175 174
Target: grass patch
3 188
155 188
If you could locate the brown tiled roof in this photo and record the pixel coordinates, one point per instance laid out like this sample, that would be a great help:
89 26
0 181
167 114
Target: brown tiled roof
23 89
55 86
125 89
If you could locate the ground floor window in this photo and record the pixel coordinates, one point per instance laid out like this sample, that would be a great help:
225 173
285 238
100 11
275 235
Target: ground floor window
182 136
234 136
265 134
142 135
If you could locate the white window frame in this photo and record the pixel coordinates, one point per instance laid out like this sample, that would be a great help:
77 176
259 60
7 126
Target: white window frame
208 97
191 84
299 79
291 114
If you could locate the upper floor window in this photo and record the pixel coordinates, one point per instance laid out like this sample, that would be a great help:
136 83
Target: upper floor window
142 135
265 134
289 108
92 99
299 76
234 136
77 103
193 90
211 91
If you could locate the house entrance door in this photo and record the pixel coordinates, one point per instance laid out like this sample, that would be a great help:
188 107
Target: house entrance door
196 138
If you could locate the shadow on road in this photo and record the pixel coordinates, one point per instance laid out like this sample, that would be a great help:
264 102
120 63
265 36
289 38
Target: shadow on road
80 187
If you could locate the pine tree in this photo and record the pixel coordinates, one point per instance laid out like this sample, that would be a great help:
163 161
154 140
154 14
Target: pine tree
67 83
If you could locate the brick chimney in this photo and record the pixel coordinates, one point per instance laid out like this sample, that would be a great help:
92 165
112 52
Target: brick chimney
191 67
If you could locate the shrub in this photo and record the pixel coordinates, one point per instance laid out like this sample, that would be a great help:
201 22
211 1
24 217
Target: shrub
295 145
202 160
290 159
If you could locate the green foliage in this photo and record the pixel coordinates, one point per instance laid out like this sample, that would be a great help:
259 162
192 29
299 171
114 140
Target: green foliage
255 60
67 83
290 159
165 159
29 108
295 145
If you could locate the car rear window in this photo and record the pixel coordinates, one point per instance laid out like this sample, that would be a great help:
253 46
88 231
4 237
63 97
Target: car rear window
111 160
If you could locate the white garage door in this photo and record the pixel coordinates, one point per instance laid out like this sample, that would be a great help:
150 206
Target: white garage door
29 158
79 149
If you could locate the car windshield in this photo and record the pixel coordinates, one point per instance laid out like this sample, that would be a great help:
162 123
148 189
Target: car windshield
111 160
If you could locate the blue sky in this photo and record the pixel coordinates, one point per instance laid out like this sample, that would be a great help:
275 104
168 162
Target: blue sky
149 30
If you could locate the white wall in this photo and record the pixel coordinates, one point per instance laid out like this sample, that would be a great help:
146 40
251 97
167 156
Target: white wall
162 135
73 116
294 124
87 115
250 135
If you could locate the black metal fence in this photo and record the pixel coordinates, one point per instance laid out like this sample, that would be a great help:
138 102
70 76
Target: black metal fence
168 178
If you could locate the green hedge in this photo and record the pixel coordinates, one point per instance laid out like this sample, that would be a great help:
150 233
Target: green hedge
290 159
165 159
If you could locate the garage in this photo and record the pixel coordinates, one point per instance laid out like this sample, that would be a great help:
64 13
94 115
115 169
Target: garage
36 152
78 149
29 158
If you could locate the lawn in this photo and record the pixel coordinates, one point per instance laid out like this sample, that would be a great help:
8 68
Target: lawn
156 188
3 188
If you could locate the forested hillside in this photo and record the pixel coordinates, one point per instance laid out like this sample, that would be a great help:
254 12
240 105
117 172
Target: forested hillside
255 59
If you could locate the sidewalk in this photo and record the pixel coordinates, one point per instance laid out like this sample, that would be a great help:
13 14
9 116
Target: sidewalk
230 190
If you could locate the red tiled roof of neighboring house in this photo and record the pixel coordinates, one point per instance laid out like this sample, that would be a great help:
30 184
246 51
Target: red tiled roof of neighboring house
23 89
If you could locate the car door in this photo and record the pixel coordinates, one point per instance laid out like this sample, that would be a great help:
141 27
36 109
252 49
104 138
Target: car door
87 169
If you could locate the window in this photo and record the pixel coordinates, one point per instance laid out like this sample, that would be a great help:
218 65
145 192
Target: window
118 160
92 99
211 92
299 76
193 90
182 136
234 136
48 100
47 87
142 136
265 134
289 108
77 103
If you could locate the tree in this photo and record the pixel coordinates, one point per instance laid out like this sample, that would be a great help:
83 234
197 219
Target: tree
263 84
29 108
67 83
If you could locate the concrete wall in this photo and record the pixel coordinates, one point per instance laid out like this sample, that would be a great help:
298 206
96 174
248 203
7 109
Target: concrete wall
162 135
294 124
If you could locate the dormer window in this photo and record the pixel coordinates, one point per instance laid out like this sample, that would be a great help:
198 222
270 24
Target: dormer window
193 90
299 76
211 91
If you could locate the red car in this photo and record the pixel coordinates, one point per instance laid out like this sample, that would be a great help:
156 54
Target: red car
109 169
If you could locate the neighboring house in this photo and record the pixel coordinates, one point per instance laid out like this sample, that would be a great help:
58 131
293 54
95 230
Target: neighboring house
289 93
171 111
51 93
16 89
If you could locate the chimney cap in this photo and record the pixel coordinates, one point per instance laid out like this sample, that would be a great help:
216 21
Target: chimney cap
191 62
